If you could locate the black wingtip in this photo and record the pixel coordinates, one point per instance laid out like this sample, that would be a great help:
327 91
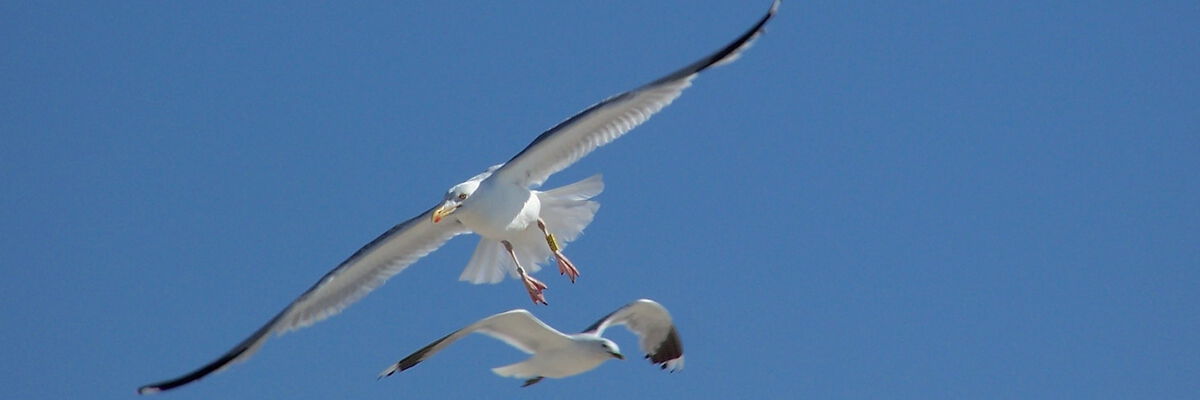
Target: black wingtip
670 349
229 357
416 357
391 370
726 54
194 375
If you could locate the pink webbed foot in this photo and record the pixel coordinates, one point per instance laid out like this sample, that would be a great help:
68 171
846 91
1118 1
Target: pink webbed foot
566 267
535 288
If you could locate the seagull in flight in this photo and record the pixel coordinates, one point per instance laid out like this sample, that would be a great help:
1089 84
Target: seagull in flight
559 355
519 226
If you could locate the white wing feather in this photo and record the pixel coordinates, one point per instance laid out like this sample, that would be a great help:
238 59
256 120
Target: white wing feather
365 270
652 324
602 123
517 328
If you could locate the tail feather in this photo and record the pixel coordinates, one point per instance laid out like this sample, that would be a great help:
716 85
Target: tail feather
582 190
567 210
486 265
519 370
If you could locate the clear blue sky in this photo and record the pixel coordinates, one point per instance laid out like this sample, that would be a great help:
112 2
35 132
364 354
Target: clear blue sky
909 200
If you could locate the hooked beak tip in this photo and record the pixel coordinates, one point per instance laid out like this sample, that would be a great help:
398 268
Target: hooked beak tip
440 213
618 356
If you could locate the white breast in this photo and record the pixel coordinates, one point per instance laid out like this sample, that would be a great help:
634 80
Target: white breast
499 211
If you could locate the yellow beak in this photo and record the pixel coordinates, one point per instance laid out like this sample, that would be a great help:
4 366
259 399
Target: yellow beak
442 212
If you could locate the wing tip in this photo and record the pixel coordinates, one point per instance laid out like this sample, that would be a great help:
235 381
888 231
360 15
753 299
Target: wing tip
148 389
730 53
200 373
394 368
743 43
673 366
237 354
418 356
648 301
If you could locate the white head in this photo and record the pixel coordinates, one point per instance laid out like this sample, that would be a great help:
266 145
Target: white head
603 346
454 199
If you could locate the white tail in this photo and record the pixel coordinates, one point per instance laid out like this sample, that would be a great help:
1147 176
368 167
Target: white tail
518 370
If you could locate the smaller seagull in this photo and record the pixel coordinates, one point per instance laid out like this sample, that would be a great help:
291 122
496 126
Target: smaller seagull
559 355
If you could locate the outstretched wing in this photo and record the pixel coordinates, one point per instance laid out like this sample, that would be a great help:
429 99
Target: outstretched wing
365 270
652 324
599 124
518 328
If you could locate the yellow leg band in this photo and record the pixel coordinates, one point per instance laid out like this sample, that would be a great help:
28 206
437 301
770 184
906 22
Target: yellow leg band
552 242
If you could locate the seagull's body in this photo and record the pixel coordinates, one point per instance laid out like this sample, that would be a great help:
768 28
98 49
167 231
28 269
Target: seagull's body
519 225
498 211
558 355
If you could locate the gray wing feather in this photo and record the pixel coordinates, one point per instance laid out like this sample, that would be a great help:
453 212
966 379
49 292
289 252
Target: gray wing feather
365 270
652 324
368 268
602 123
518 328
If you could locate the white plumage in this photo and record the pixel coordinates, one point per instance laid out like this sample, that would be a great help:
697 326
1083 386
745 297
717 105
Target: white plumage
558 355
566 211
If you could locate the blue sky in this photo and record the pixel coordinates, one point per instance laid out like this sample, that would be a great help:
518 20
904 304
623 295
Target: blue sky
909 200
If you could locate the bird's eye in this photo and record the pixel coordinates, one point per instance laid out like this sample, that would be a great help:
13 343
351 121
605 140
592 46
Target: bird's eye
462 196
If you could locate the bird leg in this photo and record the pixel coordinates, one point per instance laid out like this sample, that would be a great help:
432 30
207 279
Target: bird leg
533 381
533 286
565 266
